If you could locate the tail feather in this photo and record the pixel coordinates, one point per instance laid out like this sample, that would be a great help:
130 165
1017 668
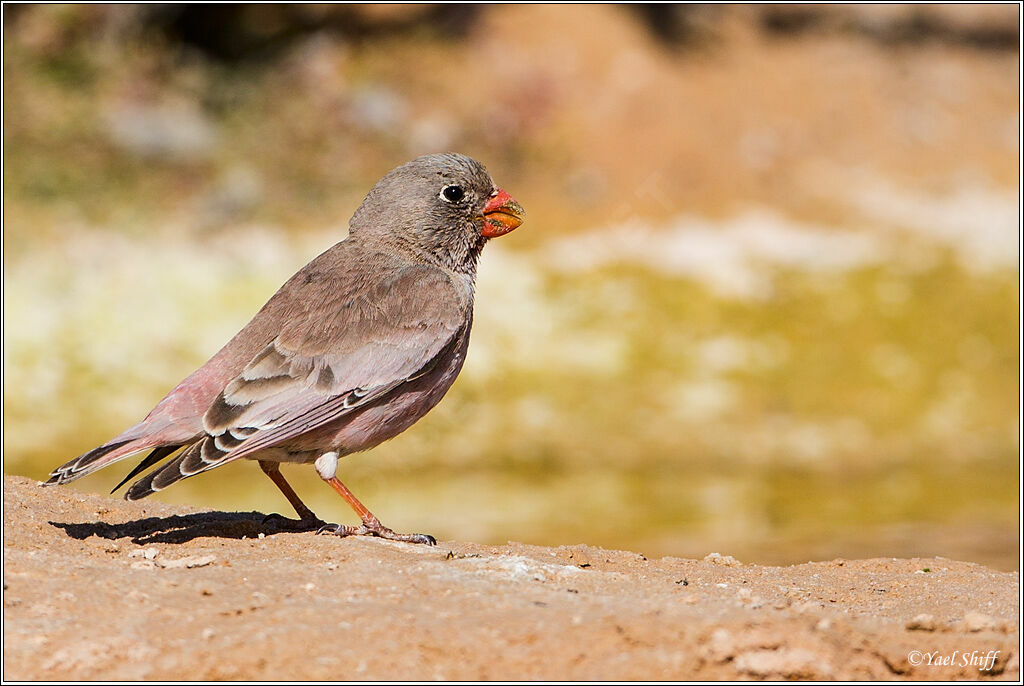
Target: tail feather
150 460
87 462
194 459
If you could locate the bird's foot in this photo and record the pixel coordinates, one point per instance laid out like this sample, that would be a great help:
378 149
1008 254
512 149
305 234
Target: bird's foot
375 528
282 523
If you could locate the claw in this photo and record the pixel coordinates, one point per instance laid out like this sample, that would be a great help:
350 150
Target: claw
375 529
425 539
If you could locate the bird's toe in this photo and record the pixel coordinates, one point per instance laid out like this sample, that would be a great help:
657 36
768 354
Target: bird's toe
424 539
337 530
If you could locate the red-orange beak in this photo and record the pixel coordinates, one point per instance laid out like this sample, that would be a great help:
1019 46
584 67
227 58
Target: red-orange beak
501 215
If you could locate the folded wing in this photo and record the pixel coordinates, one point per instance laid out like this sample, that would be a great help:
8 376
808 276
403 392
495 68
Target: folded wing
346 346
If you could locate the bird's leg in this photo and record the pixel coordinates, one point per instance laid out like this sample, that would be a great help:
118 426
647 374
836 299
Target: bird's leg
327 466
307 520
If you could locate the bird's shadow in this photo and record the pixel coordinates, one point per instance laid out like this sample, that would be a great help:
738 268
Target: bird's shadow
184 528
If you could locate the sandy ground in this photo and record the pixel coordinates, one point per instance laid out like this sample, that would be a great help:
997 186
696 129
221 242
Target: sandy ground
97 588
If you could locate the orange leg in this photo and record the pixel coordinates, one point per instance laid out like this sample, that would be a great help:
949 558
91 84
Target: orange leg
361 510
326 467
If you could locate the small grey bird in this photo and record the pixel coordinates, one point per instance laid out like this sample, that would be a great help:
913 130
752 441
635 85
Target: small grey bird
351 351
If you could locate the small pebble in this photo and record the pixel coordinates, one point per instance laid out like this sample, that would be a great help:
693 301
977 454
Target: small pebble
188 562
922 622
977 621
724 560
807 606
747 597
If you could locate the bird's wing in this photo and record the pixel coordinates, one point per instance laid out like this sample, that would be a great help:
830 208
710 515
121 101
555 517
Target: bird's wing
343 346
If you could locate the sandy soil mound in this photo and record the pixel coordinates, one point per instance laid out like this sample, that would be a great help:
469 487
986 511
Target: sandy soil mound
97 588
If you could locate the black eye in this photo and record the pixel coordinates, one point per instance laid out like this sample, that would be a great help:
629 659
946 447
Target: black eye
453 193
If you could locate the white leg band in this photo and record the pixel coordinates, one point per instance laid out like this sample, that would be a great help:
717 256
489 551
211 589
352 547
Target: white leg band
327 465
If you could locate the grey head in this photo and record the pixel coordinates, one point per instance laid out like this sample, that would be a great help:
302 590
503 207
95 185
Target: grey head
442 207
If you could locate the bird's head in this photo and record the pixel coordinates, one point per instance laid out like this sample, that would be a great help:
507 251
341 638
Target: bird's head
443 206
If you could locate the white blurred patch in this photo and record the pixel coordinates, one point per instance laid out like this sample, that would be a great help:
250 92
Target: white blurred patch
176 130
378 109
536 412
981 224
892 362
723 354
789 439
704 400
736 257
733 257
515 568
431 134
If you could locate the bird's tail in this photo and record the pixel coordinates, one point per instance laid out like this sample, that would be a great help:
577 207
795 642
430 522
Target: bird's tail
132 441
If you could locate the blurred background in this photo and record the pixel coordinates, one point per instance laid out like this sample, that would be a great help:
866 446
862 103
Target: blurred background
765 302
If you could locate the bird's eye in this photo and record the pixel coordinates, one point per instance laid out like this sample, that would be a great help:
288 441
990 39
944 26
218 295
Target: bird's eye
452 193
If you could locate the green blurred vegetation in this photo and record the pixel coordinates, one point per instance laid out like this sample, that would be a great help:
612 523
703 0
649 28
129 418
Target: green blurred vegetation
761 399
